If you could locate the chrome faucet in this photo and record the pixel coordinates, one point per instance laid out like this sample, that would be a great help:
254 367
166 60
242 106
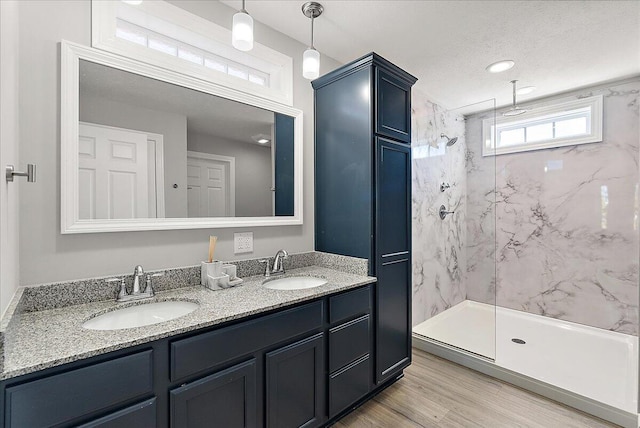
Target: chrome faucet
137 273
136 293
278 265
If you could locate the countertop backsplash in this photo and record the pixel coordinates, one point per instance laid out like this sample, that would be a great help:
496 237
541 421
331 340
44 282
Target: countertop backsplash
61 294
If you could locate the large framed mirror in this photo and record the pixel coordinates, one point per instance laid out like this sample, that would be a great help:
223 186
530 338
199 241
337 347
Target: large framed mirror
145 148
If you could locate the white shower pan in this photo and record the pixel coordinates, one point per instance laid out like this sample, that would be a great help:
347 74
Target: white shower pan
591 362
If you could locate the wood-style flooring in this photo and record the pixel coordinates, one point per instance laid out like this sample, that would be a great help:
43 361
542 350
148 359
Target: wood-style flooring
437 393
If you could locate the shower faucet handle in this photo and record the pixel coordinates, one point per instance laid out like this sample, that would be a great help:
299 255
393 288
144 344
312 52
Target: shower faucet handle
442 212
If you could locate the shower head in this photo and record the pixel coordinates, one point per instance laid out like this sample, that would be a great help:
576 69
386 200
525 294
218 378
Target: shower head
515 110
450 141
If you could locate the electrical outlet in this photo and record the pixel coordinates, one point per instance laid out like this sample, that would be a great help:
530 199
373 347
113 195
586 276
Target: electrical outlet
243 242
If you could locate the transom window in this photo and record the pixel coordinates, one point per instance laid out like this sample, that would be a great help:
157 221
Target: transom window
152 40
164 35
558 125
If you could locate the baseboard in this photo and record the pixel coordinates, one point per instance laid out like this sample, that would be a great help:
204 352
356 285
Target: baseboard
588 405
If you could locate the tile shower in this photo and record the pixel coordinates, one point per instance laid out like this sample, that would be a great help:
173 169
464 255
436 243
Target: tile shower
543 246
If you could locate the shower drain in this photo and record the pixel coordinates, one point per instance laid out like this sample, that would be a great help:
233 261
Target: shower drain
518 341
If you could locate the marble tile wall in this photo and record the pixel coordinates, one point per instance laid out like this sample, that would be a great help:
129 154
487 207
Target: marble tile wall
439 260
567 221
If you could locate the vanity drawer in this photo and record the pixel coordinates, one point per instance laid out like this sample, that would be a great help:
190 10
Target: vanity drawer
60 399
350 304
139 415
349 385
348 342
208 350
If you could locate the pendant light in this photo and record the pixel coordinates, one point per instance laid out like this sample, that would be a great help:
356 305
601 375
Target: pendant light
242 30
311 57
515 110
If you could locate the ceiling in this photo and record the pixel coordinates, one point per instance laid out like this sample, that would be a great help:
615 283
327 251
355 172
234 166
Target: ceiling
557 45
206 114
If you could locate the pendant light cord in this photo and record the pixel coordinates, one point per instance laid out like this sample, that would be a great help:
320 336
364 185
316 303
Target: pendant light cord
312 19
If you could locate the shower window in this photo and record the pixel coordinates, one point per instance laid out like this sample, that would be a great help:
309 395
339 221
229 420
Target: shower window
561 124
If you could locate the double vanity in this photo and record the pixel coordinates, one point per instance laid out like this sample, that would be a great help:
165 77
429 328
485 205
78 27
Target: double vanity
298 353
298 350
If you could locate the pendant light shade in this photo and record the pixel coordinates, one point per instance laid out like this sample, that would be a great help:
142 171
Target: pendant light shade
242 30
311 57
311 64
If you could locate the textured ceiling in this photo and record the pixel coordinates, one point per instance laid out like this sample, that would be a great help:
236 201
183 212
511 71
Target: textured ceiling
557 45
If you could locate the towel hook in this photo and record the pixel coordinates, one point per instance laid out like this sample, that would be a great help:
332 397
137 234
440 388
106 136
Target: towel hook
10 172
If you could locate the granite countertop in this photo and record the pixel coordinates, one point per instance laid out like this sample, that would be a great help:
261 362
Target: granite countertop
47 338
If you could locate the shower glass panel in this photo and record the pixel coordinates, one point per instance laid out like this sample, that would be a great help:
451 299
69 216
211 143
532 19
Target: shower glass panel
454 228
567 258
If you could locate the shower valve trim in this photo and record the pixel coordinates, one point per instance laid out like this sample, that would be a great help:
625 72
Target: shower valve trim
443 212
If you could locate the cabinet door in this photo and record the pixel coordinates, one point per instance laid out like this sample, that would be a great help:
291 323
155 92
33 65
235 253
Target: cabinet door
296 385
224 399
343 166
393 106
393 258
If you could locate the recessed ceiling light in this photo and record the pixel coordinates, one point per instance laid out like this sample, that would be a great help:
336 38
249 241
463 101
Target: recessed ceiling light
261 138
500 66
526 90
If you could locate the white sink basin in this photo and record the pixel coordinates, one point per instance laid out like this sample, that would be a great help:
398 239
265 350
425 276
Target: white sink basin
140 315
294 283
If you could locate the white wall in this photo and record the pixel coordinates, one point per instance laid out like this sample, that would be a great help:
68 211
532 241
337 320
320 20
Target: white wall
253 171
9 134
45 254
173 128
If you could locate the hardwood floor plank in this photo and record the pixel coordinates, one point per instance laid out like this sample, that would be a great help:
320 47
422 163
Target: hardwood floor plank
438 393
410 402
374 415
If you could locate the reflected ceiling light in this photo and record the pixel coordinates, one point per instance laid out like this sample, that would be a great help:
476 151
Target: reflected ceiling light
242 30
500 66
526 90
311 57
261 138
132 2
514 110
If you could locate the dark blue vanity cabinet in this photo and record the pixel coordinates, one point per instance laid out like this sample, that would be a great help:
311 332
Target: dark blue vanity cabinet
298 366
363 191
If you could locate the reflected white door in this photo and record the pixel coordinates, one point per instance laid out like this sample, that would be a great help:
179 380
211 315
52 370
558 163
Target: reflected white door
210 185
113 176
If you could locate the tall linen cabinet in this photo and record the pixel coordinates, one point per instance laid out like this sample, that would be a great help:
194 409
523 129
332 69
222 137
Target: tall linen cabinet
363 190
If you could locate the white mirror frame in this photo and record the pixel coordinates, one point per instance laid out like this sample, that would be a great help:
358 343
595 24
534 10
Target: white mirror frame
70 56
